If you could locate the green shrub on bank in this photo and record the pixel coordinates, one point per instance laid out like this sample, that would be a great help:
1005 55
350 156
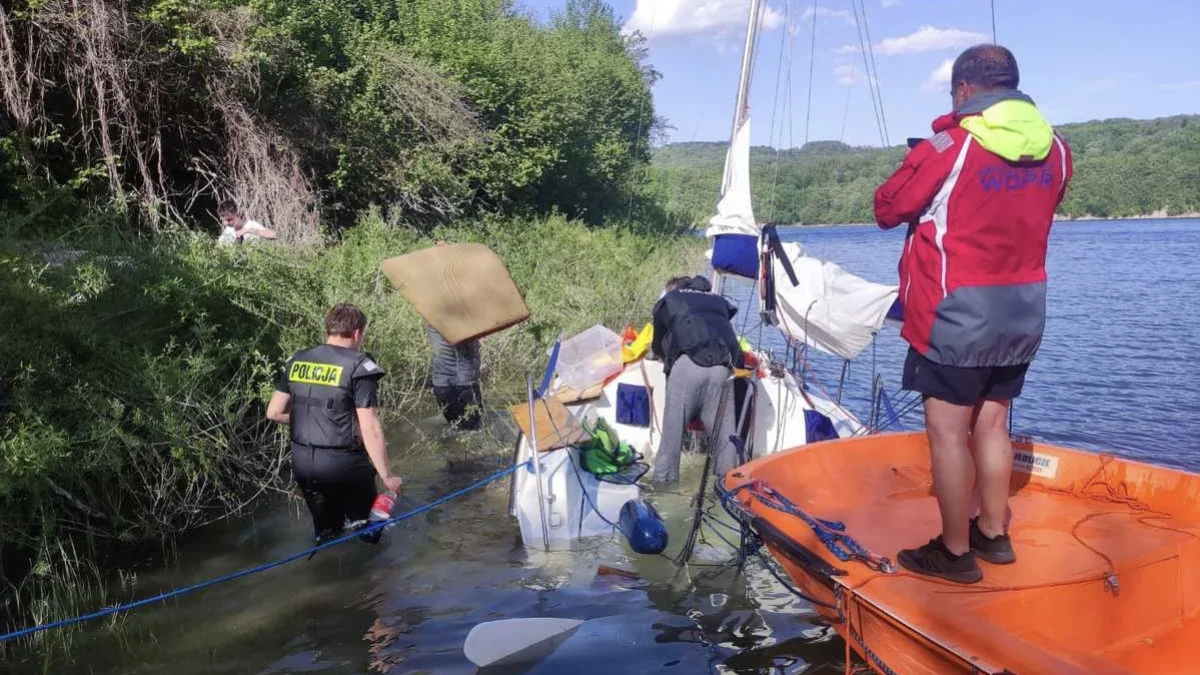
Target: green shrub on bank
134 382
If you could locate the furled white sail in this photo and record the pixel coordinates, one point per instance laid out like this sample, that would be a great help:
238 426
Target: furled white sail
830 309
735 211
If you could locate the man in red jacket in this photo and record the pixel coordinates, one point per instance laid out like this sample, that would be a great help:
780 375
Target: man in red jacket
979 197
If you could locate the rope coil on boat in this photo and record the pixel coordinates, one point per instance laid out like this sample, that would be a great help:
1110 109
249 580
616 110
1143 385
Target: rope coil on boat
832 533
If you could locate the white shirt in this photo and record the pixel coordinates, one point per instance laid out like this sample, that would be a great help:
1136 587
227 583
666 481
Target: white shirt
228 235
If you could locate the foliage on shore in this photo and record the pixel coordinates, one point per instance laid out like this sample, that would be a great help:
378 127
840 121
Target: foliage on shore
1123 168
307 111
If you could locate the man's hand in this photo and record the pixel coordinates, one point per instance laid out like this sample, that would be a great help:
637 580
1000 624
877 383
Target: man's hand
393 483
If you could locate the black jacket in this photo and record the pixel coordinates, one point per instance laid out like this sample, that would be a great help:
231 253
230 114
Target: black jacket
694 321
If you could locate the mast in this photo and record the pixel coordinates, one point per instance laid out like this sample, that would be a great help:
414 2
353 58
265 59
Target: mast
735 211
741 108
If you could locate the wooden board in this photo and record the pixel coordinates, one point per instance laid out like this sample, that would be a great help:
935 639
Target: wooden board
462 290
555 426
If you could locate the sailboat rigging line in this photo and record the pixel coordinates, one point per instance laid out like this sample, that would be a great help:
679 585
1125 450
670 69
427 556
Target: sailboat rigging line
761 17
812 60
746 315
784 41
845 115
862 47
994 41
779 72
806 367
791 106
842 380
887 141
711 444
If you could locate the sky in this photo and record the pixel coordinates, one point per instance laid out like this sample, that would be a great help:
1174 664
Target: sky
1080 60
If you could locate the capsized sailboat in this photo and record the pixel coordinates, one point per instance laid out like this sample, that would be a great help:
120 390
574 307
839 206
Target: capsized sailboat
812 304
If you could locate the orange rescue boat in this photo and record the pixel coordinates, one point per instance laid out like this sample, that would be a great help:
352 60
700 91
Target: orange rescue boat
1107 578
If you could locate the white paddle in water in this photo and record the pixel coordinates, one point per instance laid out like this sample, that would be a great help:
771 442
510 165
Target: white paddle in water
512 641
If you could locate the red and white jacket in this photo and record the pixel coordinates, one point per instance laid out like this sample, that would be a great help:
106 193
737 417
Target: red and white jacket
973 270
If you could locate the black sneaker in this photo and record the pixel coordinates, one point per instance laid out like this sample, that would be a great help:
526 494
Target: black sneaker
935 560
995 550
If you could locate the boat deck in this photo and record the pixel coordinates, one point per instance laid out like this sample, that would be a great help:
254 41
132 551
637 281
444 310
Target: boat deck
1096 515
1055 594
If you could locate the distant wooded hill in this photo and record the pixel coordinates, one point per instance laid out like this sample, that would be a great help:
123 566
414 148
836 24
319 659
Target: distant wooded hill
1123 168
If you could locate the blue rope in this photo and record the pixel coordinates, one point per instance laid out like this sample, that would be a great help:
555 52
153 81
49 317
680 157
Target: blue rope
25 632
832 533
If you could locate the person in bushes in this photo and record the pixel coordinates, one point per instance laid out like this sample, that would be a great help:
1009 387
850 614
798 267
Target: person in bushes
699 349
236 228
328 396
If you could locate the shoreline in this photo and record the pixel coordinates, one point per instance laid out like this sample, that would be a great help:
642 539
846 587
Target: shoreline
1057 219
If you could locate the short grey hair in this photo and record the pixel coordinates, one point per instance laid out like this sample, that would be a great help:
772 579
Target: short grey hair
986 66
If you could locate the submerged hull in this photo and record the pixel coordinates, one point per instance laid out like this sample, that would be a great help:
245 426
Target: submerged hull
578 505
1107 578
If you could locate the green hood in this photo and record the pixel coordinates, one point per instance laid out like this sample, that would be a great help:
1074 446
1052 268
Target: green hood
1012 128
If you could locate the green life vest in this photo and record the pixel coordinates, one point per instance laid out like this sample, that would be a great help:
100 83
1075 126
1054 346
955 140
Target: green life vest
604 454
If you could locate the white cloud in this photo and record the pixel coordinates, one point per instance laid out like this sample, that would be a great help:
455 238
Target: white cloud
929 39
925 39
889 3
848 75
939 79
683 18
826 13
1179 86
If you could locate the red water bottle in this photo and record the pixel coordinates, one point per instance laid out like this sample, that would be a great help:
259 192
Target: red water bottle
382 508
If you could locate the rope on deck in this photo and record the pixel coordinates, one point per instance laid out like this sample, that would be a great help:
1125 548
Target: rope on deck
832 533
118 609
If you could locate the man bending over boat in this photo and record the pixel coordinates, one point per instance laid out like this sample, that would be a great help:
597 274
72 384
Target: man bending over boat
979 198
328 394
695 340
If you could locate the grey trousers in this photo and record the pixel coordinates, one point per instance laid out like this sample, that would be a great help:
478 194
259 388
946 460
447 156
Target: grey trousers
694 391
453 365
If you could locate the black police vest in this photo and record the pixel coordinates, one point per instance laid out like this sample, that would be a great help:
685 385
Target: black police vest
322 398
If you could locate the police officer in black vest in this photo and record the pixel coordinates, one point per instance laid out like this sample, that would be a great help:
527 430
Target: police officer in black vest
329 394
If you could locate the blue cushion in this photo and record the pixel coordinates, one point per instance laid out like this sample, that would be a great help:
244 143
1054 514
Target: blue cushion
633 405
818 427
736 254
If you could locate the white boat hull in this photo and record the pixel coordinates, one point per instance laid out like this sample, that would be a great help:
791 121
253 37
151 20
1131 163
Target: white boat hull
578 505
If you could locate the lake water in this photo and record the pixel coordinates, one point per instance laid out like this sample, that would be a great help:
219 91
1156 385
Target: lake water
1117 372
